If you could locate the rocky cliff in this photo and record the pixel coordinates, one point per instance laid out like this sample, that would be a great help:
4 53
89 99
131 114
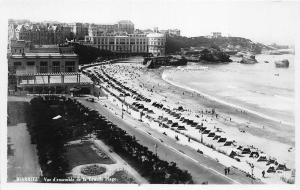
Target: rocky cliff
175 43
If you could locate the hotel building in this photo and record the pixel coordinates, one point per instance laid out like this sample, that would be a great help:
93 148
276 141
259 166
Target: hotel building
130 43
153 43
156 44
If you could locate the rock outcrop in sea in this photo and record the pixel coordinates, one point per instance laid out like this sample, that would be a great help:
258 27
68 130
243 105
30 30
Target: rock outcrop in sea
248 59
214 56
283 63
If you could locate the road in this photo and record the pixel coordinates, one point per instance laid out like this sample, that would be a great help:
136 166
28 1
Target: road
201 168
22 159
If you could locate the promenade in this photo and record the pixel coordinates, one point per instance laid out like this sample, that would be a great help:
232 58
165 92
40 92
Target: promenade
201 167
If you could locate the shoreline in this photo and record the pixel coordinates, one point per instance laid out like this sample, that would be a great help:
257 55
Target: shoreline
253 121
218 100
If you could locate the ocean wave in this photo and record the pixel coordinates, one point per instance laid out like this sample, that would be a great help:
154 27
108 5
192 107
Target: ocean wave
192 68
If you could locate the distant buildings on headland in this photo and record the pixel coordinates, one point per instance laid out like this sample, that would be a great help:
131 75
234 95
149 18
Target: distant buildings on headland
117 37
215 35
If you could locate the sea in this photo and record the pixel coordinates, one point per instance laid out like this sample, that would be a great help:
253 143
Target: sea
260 88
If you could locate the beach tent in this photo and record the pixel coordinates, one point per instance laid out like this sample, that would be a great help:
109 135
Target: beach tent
271 168
180 108
177 116
228 143
272 161
194 124
150 111
222 139
262 158
174 125
240 147
206 131
232 153
141 106
246 151
254 154
281 167
181 128
198 127
216 137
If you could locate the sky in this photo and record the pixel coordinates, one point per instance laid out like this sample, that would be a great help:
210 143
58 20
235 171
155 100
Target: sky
261 21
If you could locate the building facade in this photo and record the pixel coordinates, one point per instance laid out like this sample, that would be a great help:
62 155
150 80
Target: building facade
216 34
41 60
156 44
131 43
125 26
39 33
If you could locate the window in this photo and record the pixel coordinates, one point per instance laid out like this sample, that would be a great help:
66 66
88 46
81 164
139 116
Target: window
43 64
30 63
55 66
17 64
43 67
70 66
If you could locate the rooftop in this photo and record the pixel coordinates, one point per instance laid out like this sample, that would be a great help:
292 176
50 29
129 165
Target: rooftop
41 55
155 35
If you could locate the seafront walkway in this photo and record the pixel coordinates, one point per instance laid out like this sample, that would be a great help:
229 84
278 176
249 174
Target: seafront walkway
201 167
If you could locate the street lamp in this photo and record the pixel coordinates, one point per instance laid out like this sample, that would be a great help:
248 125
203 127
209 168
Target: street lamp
155 146
201 131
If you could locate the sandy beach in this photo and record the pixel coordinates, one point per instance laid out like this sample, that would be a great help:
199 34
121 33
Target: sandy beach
268 136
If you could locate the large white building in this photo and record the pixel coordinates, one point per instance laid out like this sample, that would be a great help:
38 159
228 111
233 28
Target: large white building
153 43
130 43
156 44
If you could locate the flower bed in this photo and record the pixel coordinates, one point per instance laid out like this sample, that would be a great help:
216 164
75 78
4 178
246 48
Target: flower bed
93 170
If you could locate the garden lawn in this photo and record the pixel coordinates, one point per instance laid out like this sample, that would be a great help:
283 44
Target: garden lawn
80 154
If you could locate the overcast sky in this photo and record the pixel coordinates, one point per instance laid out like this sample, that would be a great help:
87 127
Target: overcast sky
263 21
